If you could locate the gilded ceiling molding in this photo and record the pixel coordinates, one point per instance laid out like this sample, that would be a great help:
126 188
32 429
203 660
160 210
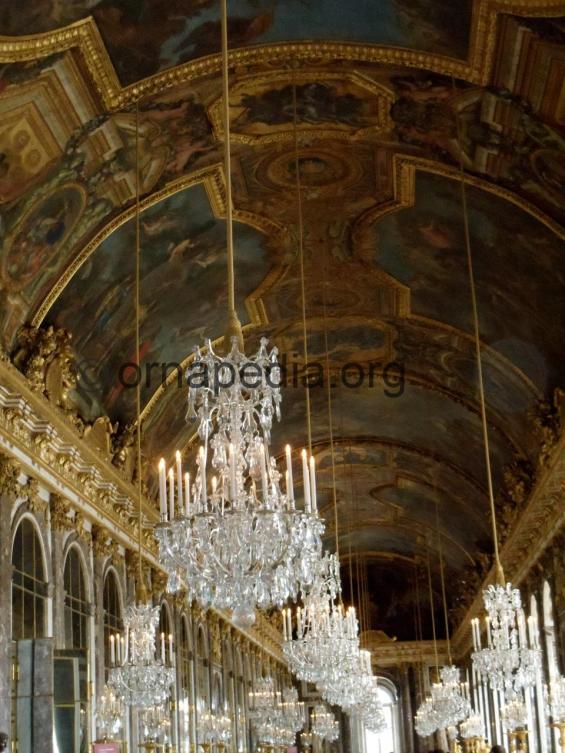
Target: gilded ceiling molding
212 178
395 653
84 36
404 187
538 524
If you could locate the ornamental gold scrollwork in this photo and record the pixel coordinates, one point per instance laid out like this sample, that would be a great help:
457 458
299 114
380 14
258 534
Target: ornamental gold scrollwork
59 509
101 542
35 501
9 474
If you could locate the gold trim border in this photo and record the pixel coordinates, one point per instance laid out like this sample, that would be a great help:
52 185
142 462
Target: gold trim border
85 36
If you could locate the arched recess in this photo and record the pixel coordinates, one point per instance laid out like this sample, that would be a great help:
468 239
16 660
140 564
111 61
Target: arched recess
77 602
112 611
29 582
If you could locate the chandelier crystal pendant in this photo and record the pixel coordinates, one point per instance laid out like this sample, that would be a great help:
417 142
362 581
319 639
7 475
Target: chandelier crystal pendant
233 534
140 677
324 724
512 657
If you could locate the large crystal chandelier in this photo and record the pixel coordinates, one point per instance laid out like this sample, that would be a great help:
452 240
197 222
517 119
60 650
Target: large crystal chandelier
236 538
154 725
324 724
450 705
511 658
233 534
109 714
276 717
140 677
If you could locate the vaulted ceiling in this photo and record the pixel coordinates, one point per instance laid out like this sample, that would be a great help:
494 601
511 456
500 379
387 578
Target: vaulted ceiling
391 97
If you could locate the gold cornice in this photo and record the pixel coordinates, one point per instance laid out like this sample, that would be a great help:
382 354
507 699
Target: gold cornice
85 36
212 178
394 653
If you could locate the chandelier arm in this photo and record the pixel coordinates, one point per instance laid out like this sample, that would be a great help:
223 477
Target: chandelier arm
476 329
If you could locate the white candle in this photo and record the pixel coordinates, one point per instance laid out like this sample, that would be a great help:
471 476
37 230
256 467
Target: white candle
522 629
122 649
285 635
203 478
306 482
171 649
163 647
264 483
289 480
162 489
171 494
289 618
112 651
187 493
531 630
489 637
179 482
126 648
313 485
118 652
214 484
233 478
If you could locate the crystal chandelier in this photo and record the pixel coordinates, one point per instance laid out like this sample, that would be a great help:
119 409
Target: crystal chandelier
324 724
237 539
326 635
276 717
557 699
154 725
214 729
472 727
139 676
450 706
511 659
109 714
425 721
514 715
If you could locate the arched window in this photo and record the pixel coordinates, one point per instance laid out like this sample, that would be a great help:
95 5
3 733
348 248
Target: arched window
388 739
29 588
183 654
77 608
112 613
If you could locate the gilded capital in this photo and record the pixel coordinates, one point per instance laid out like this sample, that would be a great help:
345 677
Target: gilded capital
59 508
9 473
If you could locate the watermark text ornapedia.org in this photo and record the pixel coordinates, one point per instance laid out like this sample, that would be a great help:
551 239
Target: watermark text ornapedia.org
389 376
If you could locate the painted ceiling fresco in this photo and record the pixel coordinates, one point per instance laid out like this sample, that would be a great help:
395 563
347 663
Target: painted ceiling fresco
152 35
383 127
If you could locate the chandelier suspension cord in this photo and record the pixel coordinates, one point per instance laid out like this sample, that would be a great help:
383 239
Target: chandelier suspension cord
138 339
418 631
301 257
480 379
442 576
330 409
234 325
432 611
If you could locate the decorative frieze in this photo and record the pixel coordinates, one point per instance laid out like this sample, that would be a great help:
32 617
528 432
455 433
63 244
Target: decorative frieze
59 512
9 474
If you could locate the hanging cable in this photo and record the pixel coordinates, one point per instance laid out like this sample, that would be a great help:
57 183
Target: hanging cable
141 588
432 612
330 409
442 575
301 258
234 325
480 379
